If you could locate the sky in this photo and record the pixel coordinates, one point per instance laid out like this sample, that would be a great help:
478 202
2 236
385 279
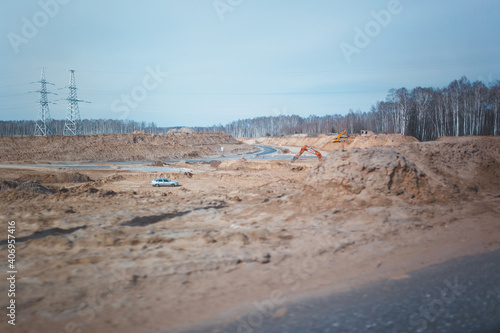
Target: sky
206 62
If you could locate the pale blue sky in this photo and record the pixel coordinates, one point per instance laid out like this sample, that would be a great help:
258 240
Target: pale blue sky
264 58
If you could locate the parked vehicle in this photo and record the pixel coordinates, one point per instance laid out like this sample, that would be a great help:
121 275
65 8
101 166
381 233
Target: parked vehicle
164 182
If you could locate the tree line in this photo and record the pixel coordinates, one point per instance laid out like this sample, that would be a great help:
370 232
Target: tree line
21 128
461 108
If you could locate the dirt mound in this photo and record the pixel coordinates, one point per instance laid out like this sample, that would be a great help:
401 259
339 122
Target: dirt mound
466 163
380 140
63 177
368 141
283 151
119 147
421 173
215 164
376 172
324 142
30 186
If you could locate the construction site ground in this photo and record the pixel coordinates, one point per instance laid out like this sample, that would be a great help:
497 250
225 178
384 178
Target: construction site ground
101 250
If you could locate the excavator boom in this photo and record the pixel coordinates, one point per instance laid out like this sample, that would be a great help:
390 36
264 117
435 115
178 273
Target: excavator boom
339 136
309 149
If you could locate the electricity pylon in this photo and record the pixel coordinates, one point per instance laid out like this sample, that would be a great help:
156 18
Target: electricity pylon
73 123
42 126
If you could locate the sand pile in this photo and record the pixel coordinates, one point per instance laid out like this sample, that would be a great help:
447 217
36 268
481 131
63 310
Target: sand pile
466 164
381 140
372 140
375 172
119 147
63 177
296 140
283 151
324 142
423 173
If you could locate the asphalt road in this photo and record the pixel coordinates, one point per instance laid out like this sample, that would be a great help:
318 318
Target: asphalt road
266 150
461 295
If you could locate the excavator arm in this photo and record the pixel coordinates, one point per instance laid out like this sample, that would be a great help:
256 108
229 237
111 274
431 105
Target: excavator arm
339 136
308 149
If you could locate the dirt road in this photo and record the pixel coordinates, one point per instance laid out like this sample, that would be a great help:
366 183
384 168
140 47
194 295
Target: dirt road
100 250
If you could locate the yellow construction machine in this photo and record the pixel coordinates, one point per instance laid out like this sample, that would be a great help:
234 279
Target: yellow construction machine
339 136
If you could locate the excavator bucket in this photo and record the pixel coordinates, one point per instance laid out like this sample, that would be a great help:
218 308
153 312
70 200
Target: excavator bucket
294 159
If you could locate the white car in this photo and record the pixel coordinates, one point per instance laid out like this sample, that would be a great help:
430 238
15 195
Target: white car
164 182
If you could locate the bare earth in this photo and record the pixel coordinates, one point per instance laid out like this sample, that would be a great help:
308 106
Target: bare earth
119 147
103 251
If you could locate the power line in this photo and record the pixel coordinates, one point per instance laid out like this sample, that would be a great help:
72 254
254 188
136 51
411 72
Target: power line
42 127
73 123
18 72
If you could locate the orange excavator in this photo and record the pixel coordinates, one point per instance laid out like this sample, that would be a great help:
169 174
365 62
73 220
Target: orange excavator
309 149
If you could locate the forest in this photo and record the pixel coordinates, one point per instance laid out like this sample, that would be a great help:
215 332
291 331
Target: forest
461 108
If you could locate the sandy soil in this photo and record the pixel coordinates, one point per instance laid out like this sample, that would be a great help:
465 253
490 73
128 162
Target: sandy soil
324 142
119 147
103 251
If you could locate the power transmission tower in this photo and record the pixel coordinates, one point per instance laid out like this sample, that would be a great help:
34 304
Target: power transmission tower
42 127
73 123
